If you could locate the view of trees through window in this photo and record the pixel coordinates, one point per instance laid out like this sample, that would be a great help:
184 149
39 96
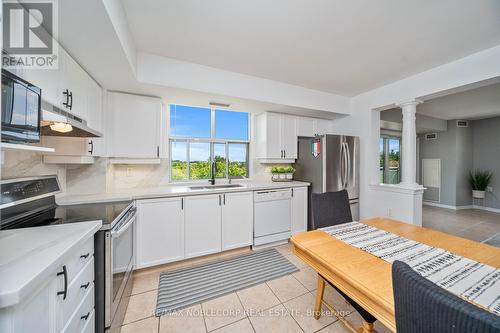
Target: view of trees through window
195 143
390 160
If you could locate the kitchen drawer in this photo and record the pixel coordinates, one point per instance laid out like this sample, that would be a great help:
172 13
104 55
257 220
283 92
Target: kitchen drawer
90 324
77 290
76 259
82 314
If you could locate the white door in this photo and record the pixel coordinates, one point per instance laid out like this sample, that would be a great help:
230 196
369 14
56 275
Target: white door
135 126
160 231
299 209
237 220
289 137
273 125
203 225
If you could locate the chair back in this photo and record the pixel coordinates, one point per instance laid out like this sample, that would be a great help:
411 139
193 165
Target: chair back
422 306
330 208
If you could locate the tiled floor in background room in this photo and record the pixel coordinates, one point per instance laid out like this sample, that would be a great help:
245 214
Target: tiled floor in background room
281 305
474 224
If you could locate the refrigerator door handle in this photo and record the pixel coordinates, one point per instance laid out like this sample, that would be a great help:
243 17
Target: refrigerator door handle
342 164
345 165
348 164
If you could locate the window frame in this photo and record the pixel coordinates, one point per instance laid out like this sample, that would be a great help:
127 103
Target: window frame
212 140
386 152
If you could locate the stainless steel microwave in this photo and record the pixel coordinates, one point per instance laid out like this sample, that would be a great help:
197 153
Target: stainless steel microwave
21 109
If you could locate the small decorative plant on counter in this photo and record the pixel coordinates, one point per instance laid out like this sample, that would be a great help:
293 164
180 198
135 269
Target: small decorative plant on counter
479 181
282 174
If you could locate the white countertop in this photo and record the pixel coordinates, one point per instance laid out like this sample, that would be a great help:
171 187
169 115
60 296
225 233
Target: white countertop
30 256
171 191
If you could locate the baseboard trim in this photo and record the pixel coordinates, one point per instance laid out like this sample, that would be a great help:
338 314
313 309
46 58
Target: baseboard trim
439 205
489 209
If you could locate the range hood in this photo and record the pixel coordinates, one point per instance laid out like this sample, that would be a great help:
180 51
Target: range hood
57 122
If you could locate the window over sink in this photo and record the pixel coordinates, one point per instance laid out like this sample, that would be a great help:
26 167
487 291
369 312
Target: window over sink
202 135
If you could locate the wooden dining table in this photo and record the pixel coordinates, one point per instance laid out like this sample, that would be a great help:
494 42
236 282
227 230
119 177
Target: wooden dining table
366 278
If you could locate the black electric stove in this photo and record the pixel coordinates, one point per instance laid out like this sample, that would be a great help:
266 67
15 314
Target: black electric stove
30 202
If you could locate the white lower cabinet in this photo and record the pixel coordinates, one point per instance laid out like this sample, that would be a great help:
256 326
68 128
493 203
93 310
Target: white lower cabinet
203 225
62 301
237 220
172 229
299 209
160 231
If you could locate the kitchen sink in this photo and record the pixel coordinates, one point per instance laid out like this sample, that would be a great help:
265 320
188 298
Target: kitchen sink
214 187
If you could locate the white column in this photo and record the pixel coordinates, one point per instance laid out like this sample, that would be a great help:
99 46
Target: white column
409 145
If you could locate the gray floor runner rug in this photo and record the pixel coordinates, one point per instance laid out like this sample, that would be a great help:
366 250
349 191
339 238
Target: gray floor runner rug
185 287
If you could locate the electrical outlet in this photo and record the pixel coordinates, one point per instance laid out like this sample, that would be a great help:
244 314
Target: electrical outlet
129 172
489 189
389 212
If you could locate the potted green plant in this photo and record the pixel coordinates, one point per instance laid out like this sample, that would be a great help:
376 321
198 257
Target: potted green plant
479 181
282 174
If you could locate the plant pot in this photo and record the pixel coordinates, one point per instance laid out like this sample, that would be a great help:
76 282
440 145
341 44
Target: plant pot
478 194
282 177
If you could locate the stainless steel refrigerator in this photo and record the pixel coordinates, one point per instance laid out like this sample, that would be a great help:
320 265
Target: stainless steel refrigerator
330 163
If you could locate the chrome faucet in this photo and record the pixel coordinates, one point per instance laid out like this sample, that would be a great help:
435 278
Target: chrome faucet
213 170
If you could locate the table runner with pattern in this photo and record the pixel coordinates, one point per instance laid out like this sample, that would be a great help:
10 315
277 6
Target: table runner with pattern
473 281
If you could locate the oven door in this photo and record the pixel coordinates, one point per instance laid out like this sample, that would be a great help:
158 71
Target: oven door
119 264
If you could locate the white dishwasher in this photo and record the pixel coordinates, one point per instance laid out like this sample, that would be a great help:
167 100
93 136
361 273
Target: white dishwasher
272 216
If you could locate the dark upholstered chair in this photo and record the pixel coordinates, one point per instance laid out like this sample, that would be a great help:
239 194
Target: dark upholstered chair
422 306
332 208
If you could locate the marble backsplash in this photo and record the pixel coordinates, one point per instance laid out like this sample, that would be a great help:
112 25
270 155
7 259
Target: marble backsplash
100 177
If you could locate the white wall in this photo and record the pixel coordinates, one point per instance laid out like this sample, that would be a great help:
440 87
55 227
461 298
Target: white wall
365 122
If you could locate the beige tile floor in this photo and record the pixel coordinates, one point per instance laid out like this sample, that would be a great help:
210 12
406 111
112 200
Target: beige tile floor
281 305
284 304
474 224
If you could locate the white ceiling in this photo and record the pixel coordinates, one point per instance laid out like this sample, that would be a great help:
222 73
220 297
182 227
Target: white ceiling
338 46
483 102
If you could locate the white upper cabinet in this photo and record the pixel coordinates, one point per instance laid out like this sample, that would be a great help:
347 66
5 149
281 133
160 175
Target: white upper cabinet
94 106
322 126
305 126
49 80
75 86
289 137
276 137
135 126
310 127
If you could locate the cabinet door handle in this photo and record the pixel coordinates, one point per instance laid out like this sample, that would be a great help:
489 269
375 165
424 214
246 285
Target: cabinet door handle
70 97
65 274
182 203
284 153
91 143
292 192
224 196
85 286
157 151
219 199
66 93
86 316
85 256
